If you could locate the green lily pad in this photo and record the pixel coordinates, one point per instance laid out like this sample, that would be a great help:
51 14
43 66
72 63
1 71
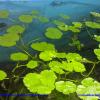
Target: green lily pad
42 83
58 23
97 53
3 75
32 64
47 55
95 14
66 87
63 28
19 56
73 56
93 25
97 38
53 33
89 86
77 24
26 18
35 12
42 46
56 67
64 16
4 14
16 29
43 19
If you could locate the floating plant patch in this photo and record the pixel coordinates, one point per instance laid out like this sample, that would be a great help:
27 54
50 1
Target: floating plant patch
16 29
89 86
66 87
43 19
32 64
19 56
34 12
93 25
26 18
53 33
64 16
95 14
42 83
4 13
3 75
58 22
42 46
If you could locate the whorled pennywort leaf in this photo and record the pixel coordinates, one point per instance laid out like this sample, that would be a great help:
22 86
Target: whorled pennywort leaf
43 19
56 67
73 56
53 33
32 64
58 23
93 25
63 27
26 18
73 66
42 46
42 83
89 86
77 24
97 53
3 75
95 14
74 29
6 42
47 55
97 38
16 29
4 13
18 56
66 87
9 39
34 12
64 16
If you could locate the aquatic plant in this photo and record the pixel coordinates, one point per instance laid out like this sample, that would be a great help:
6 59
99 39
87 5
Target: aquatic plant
48 70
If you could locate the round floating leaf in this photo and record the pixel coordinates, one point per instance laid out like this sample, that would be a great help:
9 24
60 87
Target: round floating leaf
73 56
59 23
26 18
42 83
86 82
47 55
93 25
35 12
67 66
97 53
42 46
97 38
32 64
74 29
48 77
19 56
43 19
32 82
56 67
16 29
78 67
4 14
89 86
65 87
61 55
63 28
53 33
3 75
77 24
64 16
95 14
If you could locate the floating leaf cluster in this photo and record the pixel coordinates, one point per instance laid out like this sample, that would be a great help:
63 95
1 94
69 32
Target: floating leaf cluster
42 83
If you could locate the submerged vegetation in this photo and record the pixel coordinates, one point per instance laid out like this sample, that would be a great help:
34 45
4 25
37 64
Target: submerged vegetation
49 71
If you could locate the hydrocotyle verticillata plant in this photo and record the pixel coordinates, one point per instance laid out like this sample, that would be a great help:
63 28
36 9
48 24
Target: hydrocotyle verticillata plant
49 68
